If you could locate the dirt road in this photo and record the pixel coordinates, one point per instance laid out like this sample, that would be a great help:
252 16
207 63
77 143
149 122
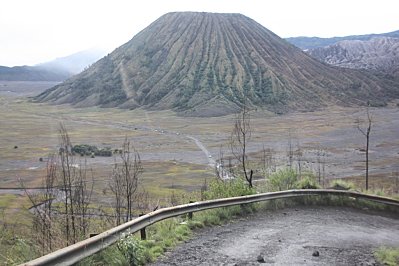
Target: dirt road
341 236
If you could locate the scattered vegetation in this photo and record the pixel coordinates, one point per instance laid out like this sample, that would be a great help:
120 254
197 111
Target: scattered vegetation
89 150
387 256
307 182
341 185
282 180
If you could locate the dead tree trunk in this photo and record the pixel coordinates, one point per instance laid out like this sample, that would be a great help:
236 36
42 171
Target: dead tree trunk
366 133
239 141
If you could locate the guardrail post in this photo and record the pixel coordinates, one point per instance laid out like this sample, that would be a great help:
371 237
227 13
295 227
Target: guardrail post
243 205
190 214
143 234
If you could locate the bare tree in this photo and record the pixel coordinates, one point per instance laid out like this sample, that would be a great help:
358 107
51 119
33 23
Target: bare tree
73 182
124 181
290 150
321 165
268 163
298 155
67 175
116 186
66 184
82 197
324 169
42 206
240 136
318 155
219 164
366 133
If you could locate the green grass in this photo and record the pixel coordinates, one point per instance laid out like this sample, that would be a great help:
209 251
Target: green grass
387 256
339 183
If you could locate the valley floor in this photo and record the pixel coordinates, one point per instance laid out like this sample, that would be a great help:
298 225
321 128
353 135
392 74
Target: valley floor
178 153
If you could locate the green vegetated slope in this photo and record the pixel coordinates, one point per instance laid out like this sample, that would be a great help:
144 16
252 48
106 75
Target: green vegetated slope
206 64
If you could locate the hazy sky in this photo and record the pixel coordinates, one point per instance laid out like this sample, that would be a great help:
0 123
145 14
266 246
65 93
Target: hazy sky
35 31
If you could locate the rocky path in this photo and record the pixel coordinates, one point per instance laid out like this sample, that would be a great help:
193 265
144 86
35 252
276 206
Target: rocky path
295 236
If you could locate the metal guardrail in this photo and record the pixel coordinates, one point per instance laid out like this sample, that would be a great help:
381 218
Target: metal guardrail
76 252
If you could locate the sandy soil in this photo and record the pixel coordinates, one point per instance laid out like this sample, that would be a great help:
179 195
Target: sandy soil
341 236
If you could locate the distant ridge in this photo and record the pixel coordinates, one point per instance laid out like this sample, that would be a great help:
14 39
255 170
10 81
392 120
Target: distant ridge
56 70
380 54
208 64
315 42
32 73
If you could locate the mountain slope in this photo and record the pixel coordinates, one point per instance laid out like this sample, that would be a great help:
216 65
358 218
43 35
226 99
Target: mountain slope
314 42
208 64
378 54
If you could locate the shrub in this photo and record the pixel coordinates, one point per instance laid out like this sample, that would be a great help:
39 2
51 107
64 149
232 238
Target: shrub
132 250
90 150
387 256
21 251
308 182
109 256
84 149
340 184
218 189
282 180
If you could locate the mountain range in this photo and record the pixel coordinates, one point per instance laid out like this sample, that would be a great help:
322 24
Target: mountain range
379 54
57 70
209 64
306 43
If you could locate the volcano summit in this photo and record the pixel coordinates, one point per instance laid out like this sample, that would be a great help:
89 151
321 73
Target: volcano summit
208 64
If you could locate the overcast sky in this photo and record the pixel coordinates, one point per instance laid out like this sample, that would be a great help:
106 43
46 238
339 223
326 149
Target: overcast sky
36 31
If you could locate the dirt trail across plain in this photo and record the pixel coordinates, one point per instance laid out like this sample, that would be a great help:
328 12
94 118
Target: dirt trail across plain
342 236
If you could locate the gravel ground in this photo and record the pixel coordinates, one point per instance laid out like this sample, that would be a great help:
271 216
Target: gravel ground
341 236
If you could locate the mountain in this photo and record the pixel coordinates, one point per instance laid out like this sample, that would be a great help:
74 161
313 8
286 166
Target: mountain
75 63
314 42
379 54
208 64
57 70
32 73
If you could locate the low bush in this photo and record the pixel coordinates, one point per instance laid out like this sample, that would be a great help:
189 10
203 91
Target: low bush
340 184
90 150
132 249
307 182
283 179
387 256
218 189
